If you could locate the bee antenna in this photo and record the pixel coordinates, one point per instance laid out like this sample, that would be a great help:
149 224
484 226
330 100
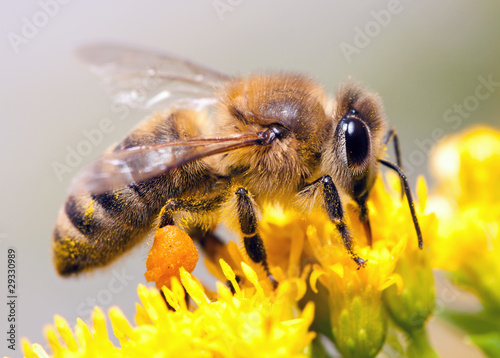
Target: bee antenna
408 196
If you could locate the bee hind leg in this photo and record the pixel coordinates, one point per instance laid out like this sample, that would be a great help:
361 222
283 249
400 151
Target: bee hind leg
247 216
212 245
170 307
195 206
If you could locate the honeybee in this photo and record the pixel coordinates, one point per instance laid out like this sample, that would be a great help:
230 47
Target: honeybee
221 146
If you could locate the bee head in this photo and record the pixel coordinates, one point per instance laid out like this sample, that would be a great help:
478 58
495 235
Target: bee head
356 141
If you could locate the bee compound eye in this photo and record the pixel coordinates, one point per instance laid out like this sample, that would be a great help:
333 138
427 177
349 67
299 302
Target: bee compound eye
356 140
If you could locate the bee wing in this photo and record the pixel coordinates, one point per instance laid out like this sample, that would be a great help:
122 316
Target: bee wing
150 80
121 168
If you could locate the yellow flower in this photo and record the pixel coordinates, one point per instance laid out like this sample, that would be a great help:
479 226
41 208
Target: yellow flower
395 268
320 291
284 238
467 166
246 324
352 310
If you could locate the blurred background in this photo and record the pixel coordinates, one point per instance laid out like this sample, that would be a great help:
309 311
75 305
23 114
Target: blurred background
435 65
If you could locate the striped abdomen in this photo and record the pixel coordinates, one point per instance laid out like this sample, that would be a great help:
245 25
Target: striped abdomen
93 229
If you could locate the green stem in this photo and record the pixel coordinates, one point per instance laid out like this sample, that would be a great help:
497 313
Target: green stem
318 350
419 345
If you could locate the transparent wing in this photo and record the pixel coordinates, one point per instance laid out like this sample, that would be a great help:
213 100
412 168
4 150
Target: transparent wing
120 168
150 80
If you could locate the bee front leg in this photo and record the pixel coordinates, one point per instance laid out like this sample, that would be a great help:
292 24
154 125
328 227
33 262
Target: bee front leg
391 134
364 218
335 211
247 216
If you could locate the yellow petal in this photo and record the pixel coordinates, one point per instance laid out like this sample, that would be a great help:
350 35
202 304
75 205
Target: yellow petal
229 273
338 268
252 277
121 327
313 279
193 288
66 333
393 279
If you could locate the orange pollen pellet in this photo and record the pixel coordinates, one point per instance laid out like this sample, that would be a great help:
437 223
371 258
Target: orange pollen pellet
172 249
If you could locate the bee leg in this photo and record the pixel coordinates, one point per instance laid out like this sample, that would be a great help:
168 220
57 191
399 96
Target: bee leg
209 242
229 284
409 197
247 215
188 205
335 211
170 308
391 134
212 245
364 218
